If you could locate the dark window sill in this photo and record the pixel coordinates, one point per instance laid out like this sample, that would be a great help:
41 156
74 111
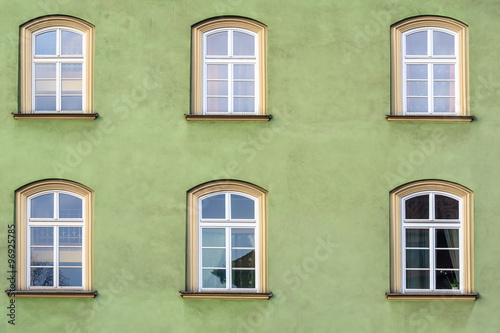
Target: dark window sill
205 295
431 297
51 293
443 119
56 116
204 117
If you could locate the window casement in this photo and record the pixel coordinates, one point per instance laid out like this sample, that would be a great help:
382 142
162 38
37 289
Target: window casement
429 59
431 242
54 240
229 70
56 69
227 241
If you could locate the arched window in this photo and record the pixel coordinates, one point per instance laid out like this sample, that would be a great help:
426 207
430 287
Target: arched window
229 61
57 68
430 69
54 238
227 241
431 241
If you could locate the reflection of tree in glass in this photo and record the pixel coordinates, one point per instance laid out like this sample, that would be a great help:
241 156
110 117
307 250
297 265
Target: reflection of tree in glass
220 274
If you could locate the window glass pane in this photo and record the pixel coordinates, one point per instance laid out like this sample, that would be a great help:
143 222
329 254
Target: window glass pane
417 104
70 277
242 207
243 258
214 207
242 237
447 279
217 72
443 104
71 103
245 88
70 256
246 72
214 278
244 104
217 88
45 103
444 88
417 258
71 71
416 72
447 238
444 72
217 104
446 207
45 44
213 237
42 277
416 88
417 238
214 257
443 43
71 43
417 279
42 236
416 43
43 206
42 256
217 43
70 206
447 259
70 236
45 71
45 87
417 207
243 279
243 44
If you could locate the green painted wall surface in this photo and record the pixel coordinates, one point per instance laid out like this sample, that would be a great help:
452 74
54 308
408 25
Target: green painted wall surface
328 159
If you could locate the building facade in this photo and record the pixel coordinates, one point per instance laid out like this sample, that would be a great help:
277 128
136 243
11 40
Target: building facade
249 166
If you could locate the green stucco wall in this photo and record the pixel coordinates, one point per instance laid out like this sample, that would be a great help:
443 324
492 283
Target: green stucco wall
328 159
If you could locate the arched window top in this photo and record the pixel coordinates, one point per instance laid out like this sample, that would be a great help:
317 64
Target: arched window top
228 206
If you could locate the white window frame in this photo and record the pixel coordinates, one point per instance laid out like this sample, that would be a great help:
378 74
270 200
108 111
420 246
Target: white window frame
227 224
431 225
58 60
231 60
430 60
55 223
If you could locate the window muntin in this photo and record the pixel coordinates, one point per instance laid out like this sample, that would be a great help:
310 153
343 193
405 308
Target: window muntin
431 238
55 247
57 67
230 84
228 242
429 72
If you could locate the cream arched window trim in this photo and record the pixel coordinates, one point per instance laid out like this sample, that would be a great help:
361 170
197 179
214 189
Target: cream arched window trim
23 196
56 22
193 284
460 31
465 196
199 32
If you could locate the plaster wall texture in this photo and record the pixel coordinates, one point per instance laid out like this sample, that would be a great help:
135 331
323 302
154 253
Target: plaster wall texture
328 159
